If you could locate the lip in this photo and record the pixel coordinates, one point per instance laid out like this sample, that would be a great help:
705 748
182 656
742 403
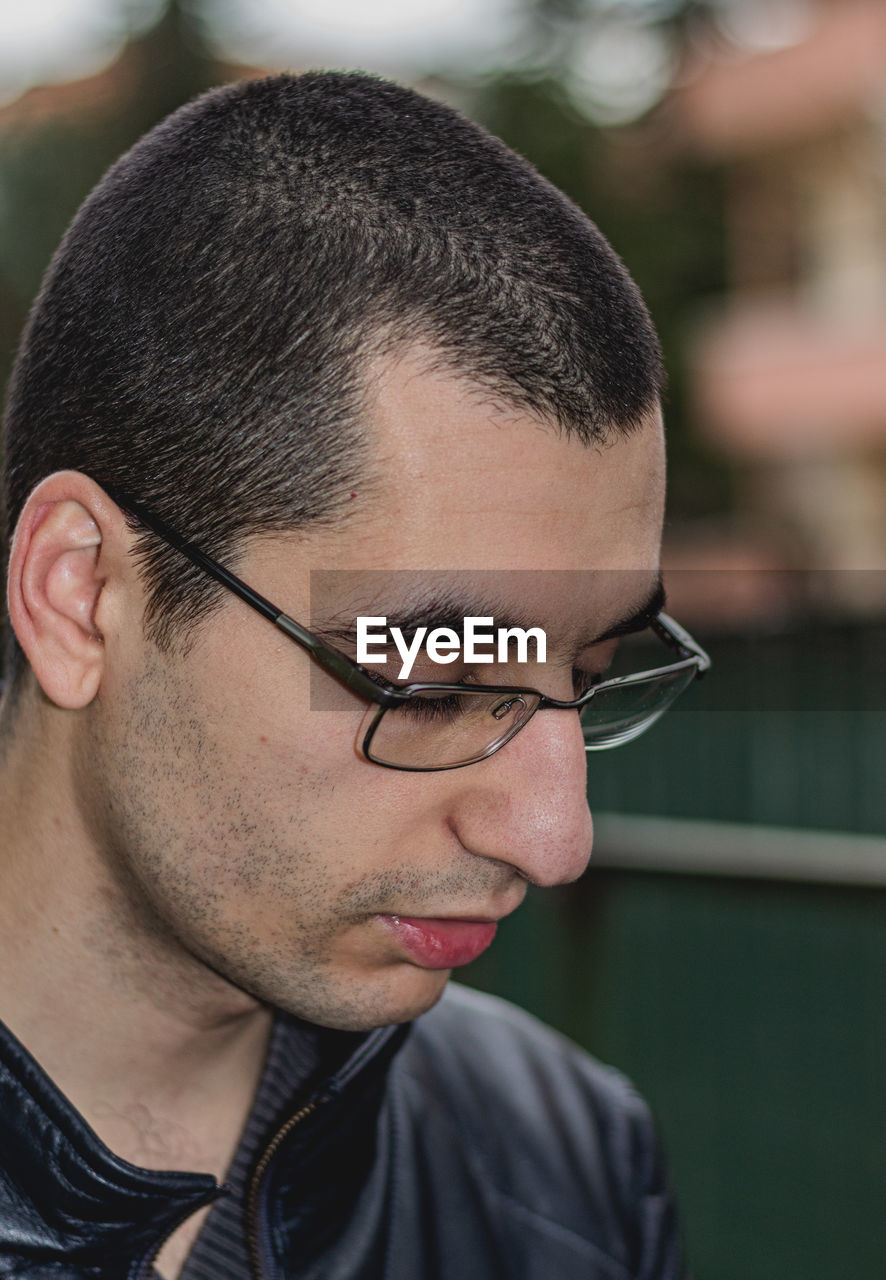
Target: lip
441 943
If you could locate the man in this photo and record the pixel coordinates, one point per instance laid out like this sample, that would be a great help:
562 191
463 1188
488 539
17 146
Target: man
326 334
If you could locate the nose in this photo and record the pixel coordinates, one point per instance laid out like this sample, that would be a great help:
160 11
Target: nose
527 805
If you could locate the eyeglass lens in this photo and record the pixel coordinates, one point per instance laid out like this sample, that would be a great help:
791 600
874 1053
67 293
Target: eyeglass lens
619 714
434 730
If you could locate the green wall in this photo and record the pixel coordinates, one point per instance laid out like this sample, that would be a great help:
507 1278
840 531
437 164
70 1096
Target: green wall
788 729
749 1011
751 1016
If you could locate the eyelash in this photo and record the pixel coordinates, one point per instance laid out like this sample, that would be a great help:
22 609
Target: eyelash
448 706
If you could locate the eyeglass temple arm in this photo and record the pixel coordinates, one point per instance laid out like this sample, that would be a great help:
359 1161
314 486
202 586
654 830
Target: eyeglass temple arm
337 664
672 633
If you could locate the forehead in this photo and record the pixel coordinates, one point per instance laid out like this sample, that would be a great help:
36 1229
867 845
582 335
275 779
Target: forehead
464 482
456 483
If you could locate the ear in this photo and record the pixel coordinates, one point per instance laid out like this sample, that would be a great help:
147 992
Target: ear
69 540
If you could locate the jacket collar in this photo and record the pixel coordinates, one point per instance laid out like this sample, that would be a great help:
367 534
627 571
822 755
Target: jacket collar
65 1196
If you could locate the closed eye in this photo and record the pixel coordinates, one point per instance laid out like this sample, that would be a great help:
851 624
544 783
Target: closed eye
429 707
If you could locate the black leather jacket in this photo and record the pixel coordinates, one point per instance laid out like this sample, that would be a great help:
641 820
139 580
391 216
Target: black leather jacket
476 1145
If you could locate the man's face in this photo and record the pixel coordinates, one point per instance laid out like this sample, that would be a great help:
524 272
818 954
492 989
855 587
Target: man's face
243 826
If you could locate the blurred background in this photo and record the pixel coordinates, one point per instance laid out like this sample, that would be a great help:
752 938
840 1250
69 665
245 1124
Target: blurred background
728 948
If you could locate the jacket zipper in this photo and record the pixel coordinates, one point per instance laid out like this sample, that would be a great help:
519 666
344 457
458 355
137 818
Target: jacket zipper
252 1206
146 1270
252 1223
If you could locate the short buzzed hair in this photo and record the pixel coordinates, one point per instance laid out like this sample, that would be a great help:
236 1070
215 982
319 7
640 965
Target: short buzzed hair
200 339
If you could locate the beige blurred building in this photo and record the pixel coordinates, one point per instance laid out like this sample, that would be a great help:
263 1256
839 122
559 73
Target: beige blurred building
789 369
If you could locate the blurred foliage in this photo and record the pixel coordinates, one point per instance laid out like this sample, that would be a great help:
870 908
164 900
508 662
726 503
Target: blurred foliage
47 168
661 212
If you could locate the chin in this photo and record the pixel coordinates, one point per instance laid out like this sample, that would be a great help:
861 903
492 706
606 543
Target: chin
371 1003
413 1004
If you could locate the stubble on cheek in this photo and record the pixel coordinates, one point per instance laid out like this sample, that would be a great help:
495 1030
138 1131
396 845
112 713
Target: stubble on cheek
204 859
224 862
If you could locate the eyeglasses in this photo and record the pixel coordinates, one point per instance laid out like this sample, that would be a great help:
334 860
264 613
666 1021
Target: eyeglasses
424 726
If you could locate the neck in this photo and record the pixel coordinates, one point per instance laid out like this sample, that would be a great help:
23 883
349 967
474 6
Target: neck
159 1054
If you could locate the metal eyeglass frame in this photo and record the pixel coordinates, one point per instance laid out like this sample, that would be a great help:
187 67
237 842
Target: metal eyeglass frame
373 688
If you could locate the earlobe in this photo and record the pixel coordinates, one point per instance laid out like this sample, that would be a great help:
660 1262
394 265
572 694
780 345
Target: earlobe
56 578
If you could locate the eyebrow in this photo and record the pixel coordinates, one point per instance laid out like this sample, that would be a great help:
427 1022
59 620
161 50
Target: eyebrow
448 612
442 611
